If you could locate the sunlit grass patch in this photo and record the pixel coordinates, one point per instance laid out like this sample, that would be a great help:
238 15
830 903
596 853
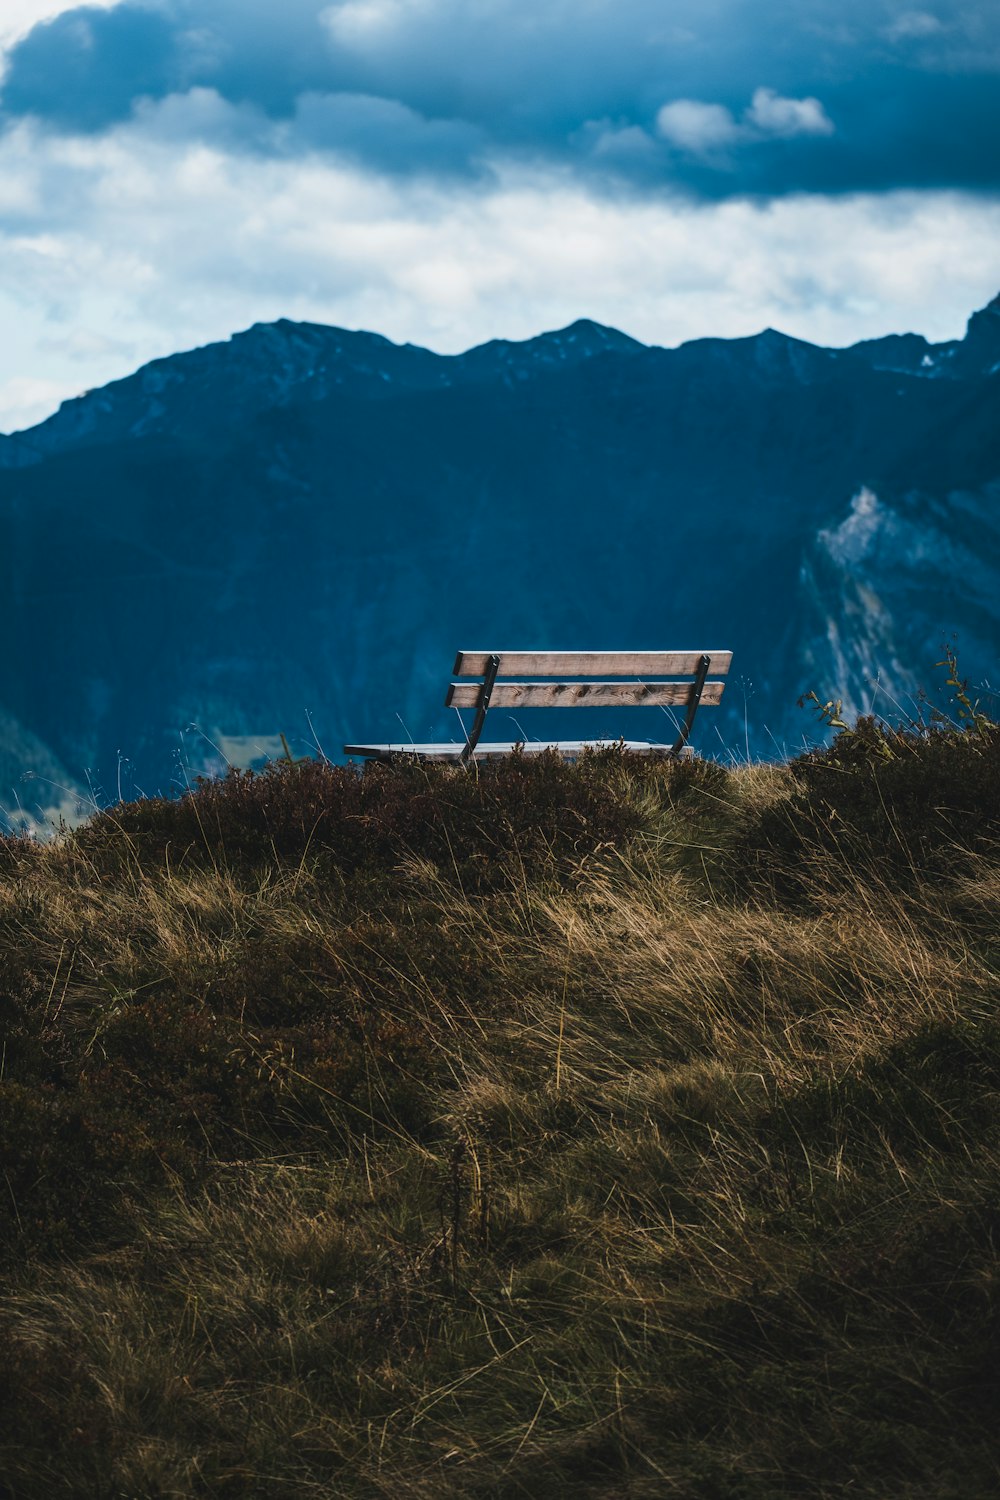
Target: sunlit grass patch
619 1130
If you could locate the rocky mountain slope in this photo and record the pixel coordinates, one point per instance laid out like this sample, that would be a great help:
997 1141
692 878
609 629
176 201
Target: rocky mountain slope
306 519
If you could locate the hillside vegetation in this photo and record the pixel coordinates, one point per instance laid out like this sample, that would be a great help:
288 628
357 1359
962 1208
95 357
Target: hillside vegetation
620 1129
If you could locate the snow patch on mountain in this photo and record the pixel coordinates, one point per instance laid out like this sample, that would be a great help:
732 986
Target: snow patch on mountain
854 538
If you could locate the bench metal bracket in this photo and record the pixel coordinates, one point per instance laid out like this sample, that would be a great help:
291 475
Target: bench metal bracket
694 698
485 693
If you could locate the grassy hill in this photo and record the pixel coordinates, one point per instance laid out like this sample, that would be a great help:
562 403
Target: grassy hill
624 1129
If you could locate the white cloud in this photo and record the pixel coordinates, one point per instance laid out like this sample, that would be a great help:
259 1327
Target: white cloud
25 400
705 129
913 23
17 17
120 249
773 115
697 127
363 22
621 143
86 345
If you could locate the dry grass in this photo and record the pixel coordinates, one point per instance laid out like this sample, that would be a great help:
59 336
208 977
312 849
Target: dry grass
659 1157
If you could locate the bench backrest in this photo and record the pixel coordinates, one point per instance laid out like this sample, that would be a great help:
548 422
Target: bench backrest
676 679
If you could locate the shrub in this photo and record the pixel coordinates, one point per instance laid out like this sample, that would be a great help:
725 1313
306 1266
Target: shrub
899 801
505 819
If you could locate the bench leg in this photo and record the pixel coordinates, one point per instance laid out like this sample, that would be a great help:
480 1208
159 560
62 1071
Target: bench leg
694 698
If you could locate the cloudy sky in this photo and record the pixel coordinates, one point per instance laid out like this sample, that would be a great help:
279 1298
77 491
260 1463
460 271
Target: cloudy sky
447 171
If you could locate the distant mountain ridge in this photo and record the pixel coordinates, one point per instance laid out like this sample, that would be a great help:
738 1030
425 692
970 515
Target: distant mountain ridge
304 517
272 363
269 363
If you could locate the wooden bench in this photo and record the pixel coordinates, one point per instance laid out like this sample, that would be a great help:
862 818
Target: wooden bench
666 679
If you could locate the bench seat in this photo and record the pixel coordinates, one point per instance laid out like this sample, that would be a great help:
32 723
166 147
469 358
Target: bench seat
454 751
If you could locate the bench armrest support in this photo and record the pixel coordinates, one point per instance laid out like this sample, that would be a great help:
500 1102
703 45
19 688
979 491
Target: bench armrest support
489 678
692 704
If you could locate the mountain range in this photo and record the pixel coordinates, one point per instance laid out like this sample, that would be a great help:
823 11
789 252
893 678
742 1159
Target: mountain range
291 532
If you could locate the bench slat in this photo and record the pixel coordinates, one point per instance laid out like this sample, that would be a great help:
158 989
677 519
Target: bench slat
591 663
581 694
